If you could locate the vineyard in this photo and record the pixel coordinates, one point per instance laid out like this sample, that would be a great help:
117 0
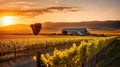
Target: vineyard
57 51
76 55
112 58
13 48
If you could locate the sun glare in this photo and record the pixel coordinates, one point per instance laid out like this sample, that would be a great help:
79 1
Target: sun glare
7 20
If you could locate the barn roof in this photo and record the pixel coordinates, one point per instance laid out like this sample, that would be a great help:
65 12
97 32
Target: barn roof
74 29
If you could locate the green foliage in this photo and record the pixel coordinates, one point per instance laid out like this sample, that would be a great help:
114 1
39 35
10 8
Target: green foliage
77 55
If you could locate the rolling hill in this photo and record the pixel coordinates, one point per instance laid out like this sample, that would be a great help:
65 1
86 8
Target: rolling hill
56 27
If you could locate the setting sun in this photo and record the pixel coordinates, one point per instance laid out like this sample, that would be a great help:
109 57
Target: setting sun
7 20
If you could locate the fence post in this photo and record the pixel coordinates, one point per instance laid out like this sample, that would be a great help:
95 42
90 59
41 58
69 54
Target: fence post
83 64
15 52
39 62
38 59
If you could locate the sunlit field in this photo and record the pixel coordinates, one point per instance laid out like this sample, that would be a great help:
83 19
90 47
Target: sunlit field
77 55
59 33
24 41
57 50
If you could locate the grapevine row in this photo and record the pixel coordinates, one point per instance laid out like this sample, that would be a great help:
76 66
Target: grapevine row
76 55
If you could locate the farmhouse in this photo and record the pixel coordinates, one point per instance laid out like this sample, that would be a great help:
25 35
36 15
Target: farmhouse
75 31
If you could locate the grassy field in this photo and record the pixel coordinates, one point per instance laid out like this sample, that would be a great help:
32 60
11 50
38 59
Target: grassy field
112 58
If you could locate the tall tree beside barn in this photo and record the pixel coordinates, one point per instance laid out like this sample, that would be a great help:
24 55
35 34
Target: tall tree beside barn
36 28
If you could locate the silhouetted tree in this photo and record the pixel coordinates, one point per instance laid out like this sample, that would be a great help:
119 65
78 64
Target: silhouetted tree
36 28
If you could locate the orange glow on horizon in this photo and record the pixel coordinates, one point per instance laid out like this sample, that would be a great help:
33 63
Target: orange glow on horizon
7 20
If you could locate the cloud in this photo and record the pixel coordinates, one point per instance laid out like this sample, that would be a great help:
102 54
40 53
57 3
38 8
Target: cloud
31 8
35 12
19 4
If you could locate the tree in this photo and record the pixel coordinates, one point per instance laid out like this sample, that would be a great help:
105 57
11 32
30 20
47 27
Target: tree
36 28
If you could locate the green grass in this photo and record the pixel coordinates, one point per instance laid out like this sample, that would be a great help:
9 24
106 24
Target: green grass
112 58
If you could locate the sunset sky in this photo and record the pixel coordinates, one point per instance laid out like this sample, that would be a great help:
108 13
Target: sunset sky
31 11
